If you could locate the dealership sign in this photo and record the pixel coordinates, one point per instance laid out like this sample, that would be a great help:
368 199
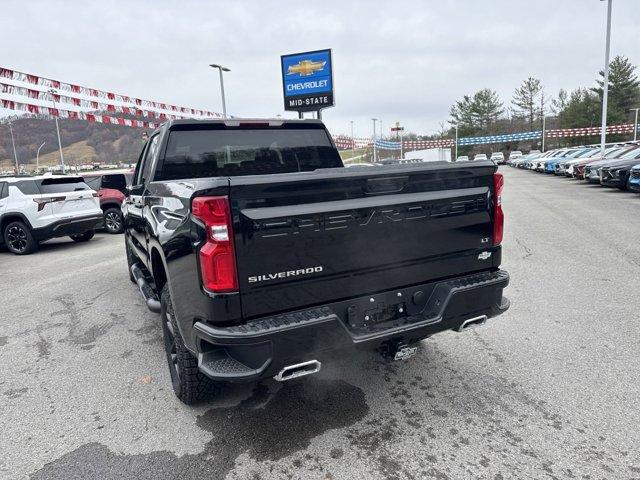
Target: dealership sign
307 80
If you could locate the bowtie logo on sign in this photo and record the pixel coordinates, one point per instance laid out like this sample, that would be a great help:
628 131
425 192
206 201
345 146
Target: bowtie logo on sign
306 67
307 81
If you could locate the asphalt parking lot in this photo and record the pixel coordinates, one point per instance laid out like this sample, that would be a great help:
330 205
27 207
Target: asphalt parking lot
548 390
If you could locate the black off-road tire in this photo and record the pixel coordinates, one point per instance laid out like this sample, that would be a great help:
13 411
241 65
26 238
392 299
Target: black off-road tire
83 237
130 259
113 221
188 383
18 238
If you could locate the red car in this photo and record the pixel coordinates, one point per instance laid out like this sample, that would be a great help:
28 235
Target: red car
111 188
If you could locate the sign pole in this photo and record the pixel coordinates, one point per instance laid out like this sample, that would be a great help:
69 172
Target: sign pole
456 145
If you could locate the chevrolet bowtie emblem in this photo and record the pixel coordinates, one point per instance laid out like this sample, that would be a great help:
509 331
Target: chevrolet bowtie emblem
306 67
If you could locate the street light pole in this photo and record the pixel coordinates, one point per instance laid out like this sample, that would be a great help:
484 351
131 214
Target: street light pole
605 91
220 70
353 141
13 143
53 92
635 124
375 153
544 124
38 157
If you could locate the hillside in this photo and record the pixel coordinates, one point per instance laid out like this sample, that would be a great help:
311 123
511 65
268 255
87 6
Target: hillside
75 154
82 142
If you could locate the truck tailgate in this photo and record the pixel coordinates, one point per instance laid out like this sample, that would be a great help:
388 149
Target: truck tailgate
304 239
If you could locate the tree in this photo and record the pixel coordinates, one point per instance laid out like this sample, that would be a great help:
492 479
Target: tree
461 112
477 112
582 109
526 99
624 89
486 107
559 104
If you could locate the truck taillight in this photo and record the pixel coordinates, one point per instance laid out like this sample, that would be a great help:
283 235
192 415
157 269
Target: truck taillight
217 256
498 214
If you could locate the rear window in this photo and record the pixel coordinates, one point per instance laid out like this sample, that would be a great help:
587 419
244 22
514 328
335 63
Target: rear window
116 181
28 187
256 151
93 182
61 185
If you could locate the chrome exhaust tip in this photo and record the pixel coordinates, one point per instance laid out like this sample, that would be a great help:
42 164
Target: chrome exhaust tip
472 323
298 370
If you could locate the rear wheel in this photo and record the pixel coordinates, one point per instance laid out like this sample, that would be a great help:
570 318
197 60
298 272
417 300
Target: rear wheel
113 220
188 383
19 239
83 237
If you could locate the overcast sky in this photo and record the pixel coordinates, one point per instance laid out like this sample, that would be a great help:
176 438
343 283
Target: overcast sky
400 60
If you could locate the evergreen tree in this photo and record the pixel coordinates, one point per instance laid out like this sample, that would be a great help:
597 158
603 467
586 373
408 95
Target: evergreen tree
624 90
461 113
526 99
582 109
476 112
486 107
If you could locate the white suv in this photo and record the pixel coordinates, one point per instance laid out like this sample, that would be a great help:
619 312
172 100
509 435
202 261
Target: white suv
35 209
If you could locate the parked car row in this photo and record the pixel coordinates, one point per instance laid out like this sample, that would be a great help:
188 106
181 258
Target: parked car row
497 157
36 209
617 167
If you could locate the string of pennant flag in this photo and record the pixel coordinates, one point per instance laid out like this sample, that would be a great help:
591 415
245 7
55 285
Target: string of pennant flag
51 112
71 93
10 91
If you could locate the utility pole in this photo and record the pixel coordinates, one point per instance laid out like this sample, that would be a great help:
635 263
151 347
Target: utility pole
635 124
353 142
13 143
52 92
605 91
220 70
38 157
456 145
375 153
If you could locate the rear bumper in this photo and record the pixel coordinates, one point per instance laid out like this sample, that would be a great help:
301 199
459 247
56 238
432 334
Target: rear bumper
261 348
69 226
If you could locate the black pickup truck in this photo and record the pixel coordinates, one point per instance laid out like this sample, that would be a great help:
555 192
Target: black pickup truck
266 257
